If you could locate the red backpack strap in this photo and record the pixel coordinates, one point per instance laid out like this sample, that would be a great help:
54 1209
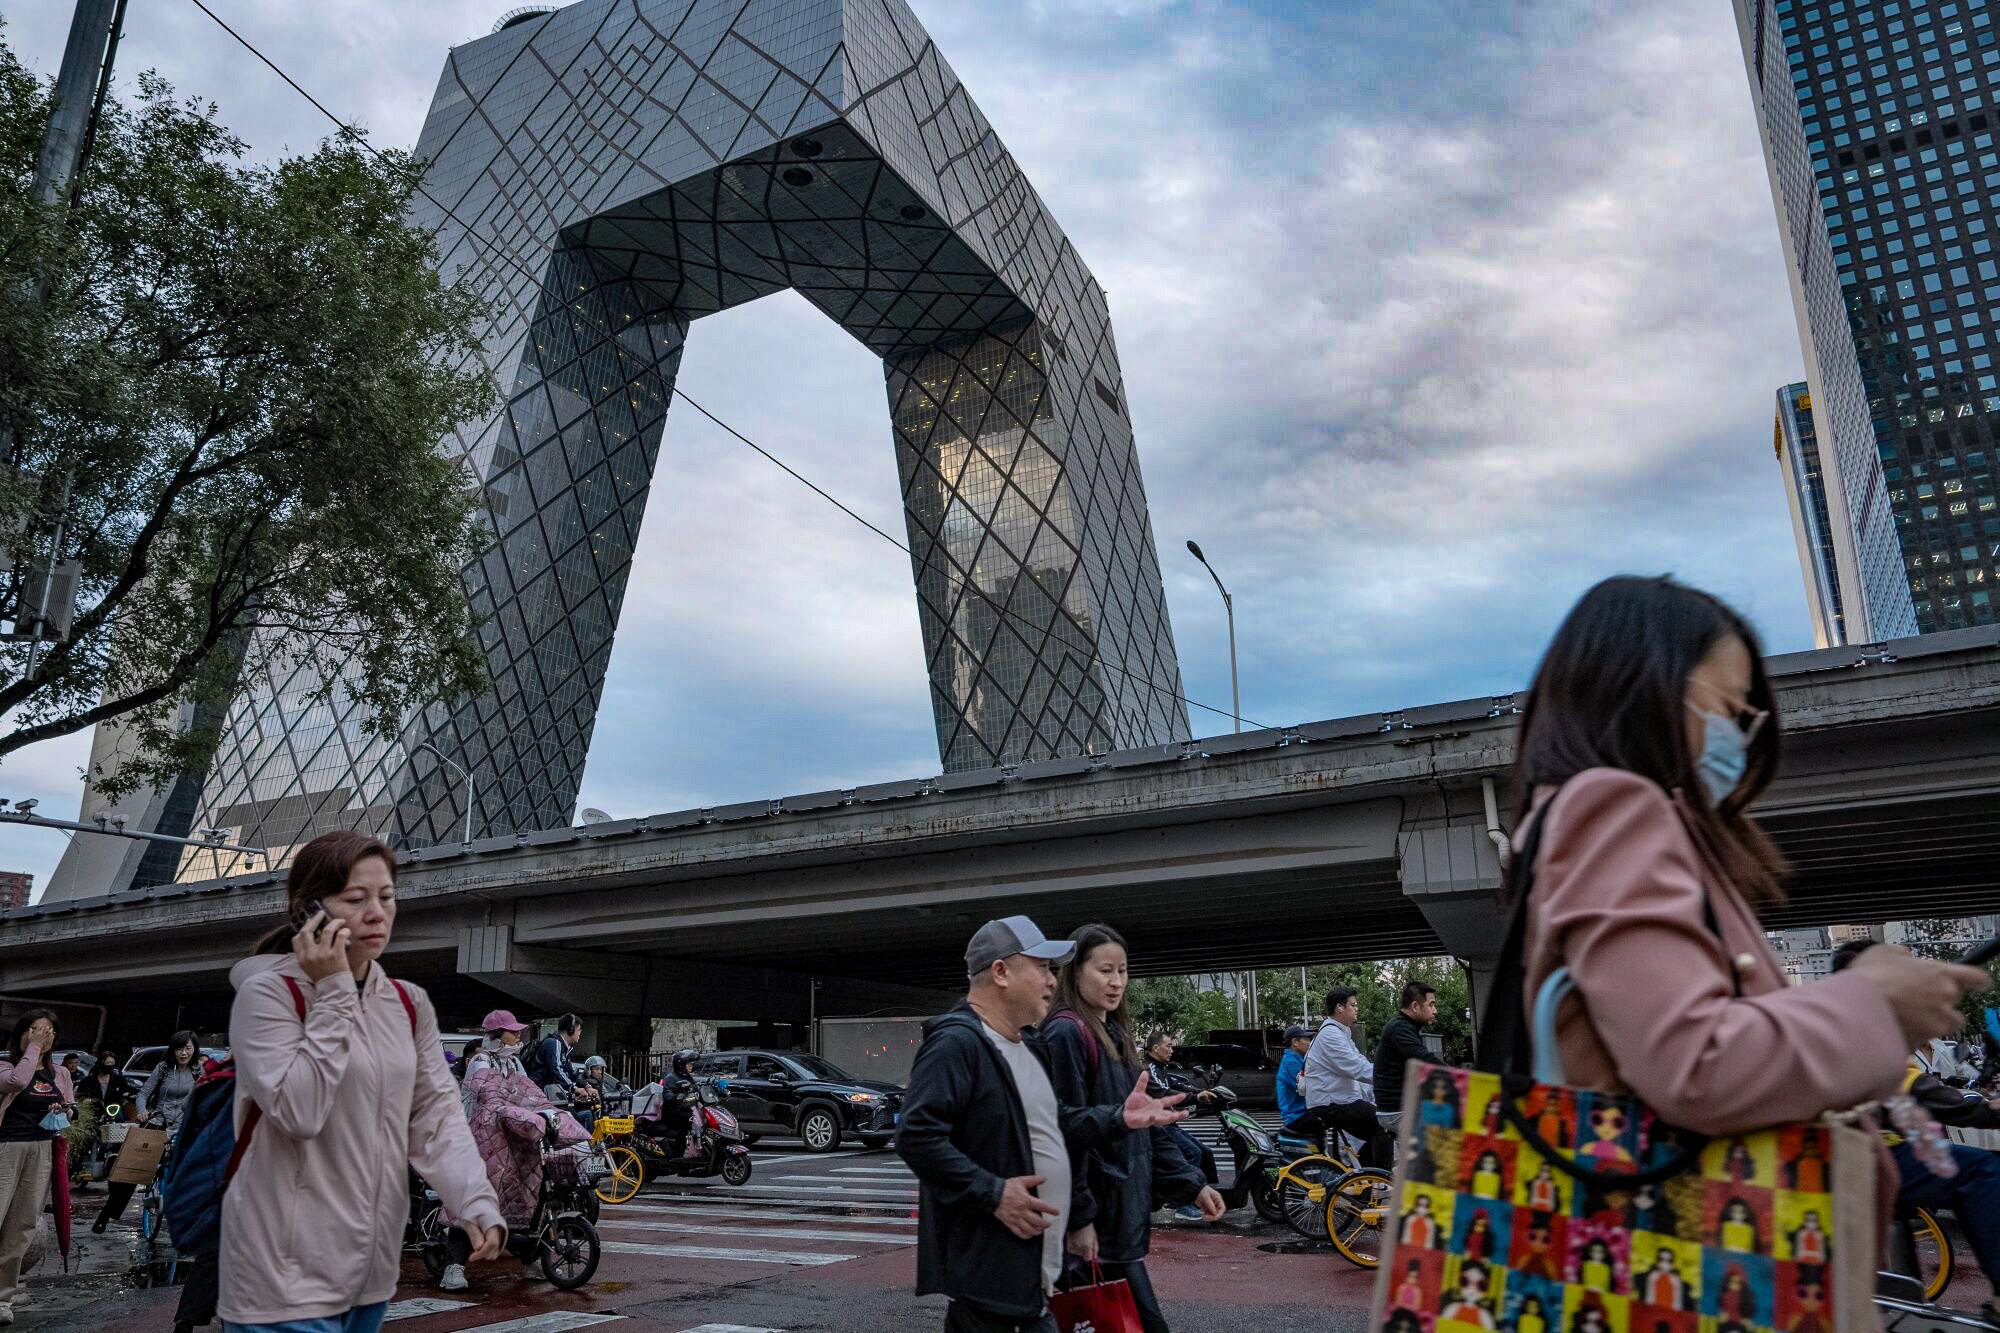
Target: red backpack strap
409 1005
1084 1034
256 1112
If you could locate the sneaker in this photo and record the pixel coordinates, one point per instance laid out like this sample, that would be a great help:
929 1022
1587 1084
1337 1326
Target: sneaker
453 1279
6 1315
1187 1212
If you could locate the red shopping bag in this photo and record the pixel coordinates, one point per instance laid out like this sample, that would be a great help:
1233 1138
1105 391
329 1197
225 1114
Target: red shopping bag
1101 1307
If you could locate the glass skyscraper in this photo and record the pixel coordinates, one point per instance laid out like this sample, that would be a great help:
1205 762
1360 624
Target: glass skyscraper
1878 122
608 173
1796 444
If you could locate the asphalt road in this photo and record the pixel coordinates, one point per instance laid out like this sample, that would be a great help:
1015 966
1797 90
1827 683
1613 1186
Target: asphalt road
811 1243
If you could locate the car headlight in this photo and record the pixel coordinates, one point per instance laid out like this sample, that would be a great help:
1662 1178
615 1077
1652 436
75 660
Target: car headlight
862 1097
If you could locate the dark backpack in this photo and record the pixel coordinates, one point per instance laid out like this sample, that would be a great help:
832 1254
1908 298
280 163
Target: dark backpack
207 1149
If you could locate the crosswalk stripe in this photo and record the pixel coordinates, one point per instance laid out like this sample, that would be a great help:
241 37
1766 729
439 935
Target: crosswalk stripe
790 1258
817 1185
750 1215
902 1171
555 1321
731 1328
418 1307
790 1233
818 1193
734 1198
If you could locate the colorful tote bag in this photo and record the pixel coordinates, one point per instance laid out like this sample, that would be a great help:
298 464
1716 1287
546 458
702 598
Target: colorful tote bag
1528 1206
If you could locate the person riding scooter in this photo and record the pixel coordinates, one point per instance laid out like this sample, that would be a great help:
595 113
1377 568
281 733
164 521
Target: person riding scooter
668 1105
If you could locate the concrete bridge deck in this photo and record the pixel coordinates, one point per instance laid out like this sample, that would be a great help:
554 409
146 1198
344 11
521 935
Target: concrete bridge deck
1358 837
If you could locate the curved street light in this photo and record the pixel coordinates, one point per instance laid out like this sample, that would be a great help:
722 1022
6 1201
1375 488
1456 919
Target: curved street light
1229 611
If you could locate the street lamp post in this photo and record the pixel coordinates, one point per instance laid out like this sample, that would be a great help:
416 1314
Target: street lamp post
1229 612
462 772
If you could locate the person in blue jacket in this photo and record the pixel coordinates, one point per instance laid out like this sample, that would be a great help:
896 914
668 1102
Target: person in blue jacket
1291 1101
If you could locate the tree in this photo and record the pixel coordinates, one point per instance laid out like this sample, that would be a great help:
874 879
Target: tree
1174 1004
240 374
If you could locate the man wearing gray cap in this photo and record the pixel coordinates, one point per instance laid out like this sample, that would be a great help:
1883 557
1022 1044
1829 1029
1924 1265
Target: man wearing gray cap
991 1146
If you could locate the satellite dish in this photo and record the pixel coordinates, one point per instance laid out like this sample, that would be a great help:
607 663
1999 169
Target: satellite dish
592 815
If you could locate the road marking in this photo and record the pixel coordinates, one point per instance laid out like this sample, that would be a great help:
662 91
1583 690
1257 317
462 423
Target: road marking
819 1185
735 1198
611 1216
902 1171
555 1321
790 1233
731 1328
420 1306
859 1194
790 1258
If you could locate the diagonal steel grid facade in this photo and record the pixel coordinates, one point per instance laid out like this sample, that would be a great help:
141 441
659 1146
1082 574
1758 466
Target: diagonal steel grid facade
652 161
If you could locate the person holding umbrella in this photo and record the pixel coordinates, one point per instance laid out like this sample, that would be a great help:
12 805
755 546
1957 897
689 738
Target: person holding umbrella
35 1099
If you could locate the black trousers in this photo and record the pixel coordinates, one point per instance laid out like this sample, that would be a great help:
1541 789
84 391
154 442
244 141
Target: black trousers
1356 1118
1134 1275
962 1318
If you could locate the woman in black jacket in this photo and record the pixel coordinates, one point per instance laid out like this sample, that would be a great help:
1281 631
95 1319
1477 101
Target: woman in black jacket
1093 1061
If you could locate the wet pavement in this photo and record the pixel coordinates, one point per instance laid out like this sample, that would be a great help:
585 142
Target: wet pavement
811 1243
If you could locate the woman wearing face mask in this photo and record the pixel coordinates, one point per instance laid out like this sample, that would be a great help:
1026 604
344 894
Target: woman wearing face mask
1649 732
510 1115
1094 1061
348 1098
33 1094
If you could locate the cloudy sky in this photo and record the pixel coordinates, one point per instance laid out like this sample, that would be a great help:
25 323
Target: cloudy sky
1431 315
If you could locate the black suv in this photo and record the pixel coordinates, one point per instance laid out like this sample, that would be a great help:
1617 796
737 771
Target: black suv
792 1093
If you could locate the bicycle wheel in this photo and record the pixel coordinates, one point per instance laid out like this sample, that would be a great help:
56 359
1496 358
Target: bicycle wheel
1302 1193
628 1173
1933 1250
1356 1208
431 1240
570 1251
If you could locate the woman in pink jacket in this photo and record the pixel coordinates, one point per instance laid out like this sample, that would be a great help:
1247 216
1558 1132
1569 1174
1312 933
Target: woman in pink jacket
1649 732
348 1098
31 1089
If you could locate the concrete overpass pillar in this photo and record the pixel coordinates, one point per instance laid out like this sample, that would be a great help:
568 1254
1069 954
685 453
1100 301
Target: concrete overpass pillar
1451 871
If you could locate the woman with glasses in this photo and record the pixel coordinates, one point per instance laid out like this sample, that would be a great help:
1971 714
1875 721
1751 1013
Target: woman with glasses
1648 734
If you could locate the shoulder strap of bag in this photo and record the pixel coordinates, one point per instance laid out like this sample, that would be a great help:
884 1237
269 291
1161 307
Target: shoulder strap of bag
1084 1035
256 1112
409 1006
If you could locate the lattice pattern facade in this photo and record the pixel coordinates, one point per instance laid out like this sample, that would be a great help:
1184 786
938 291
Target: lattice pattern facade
653 161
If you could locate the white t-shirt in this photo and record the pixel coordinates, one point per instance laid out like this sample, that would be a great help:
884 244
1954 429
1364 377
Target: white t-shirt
1045 1139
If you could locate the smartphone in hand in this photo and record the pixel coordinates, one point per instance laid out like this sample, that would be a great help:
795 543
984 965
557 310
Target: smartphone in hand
305 914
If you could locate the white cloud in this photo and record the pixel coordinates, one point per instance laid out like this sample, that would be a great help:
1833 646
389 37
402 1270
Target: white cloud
1425 327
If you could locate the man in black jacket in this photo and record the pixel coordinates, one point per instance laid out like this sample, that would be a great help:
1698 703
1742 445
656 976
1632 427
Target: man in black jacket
1402 1041
989 1144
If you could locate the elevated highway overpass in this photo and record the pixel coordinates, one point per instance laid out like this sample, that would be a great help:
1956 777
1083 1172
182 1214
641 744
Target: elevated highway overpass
1360 837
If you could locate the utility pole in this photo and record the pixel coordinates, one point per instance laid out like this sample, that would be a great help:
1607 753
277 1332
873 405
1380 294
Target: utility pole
84 65
81 86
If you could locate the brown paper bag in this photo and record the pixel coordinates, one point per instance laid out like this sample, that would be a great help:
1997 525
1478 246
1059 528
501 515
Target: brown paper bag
139 1156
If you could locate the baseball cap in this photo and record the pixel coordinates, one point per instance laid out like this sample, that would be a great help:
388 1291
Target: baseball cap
1297 1030
501 1020
1008 936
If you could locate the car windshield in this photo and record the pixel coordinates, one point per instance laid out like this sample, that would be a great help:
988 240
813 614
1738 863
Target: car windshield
814 1067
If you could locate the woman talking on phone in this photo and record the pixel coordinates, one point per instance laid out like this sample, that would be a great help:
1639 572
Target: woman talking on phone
346 1073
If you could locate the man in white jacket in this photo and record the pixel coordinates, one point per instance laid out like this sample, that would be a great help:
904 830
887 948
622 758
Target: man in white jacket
1339 1079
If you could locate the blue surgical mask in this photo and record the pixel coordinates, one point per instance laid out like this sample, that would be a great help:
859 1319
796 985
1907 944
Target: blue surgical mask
1724 757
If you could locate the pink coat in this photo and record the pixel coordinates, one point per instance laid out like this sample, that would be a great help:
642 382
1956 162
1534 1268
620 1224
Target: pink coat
18 1074
505 1109
1618 898
312 1226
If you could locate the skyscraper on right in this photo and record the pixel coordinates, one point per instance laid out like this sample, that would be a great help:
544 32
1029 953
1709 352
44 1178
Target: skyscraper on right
1878 124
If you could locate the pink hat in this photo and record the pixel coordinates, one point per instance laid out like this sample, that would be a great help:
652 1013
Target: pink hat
501 1020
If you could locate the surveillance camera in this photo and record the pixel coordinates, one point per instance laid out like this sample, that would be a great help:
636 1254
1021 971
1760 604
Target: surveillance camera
23 807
